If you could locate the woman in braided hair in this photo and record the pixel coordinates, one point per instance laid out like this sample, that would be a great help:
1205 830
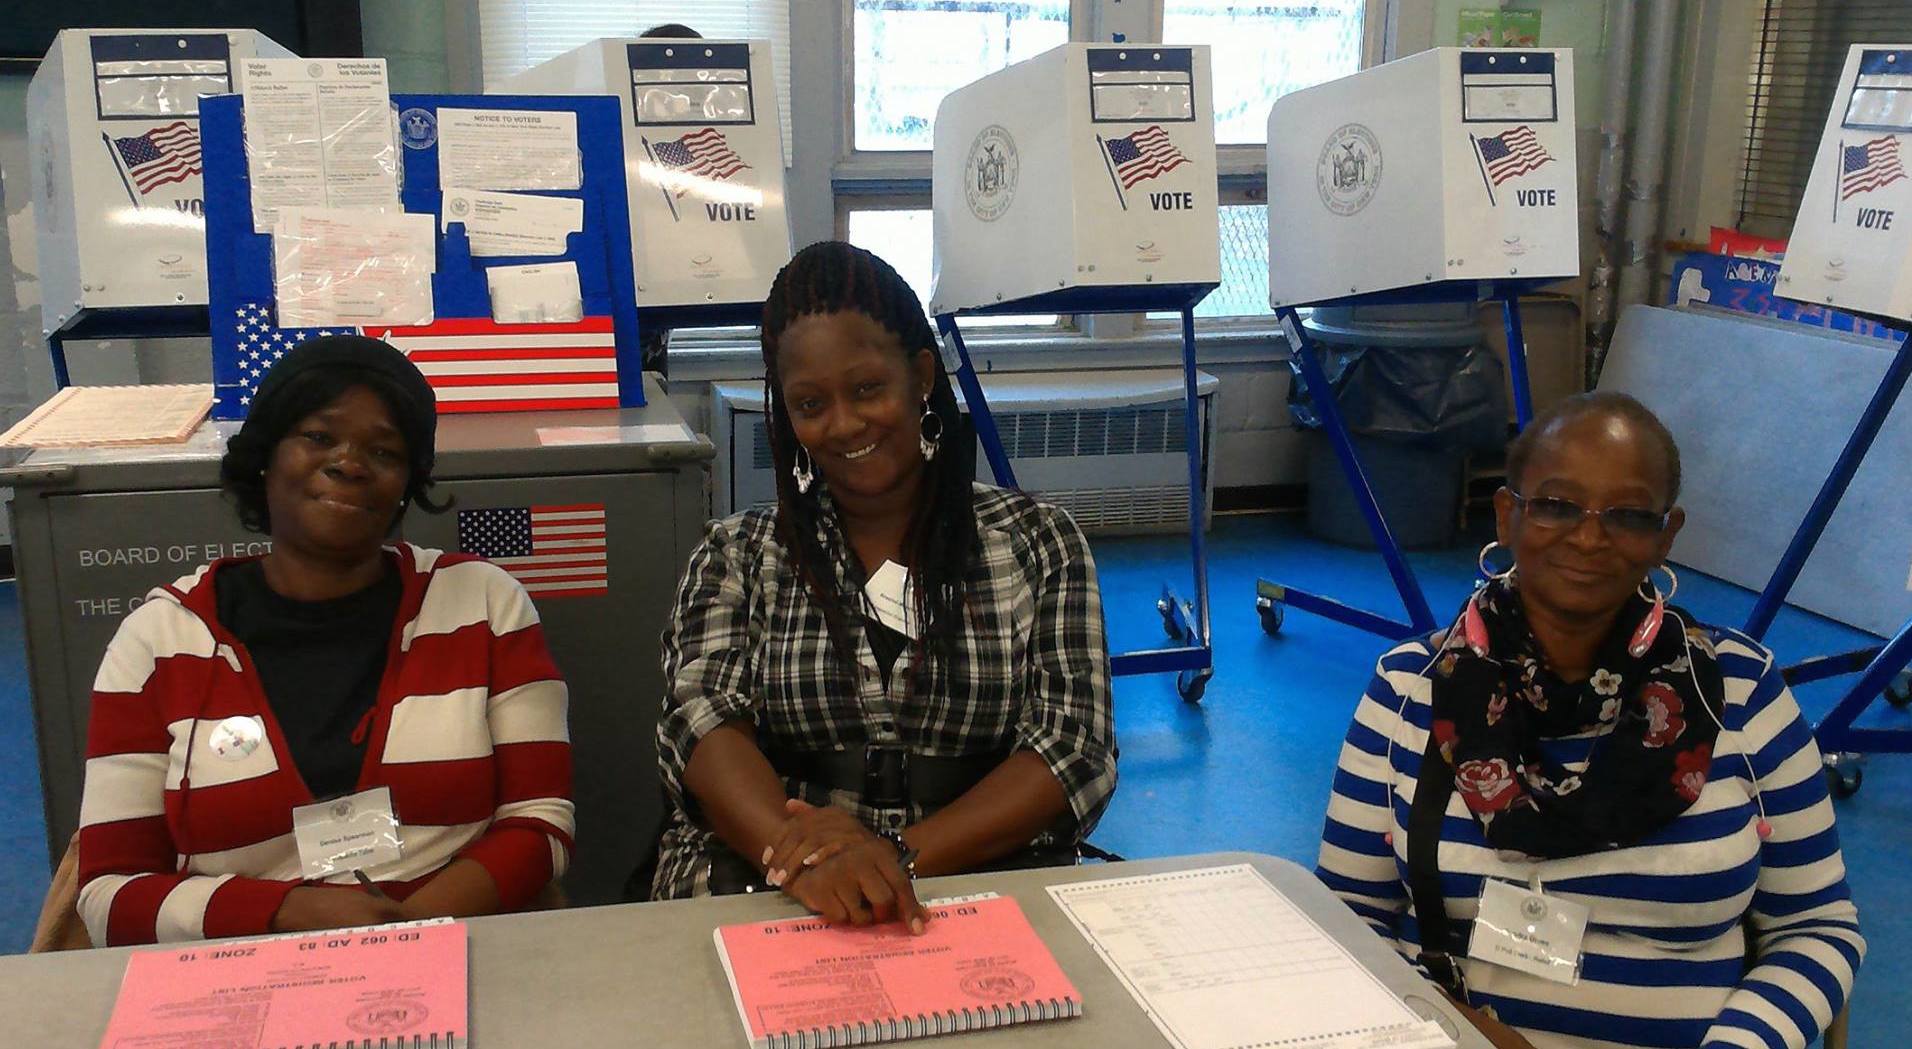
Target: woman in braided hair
895 670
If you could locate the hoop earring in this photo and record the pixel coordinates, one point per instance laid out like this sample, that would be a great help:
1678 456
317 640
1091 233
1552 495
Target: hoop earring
1649 628
802 471
926 441
1488 574
1473 625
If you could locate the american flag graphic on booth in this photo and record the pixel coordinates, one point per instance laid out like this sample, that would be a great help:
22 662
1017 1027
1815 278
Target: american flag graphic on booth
701 154
1868 166
475 364
1512 153
1143 155
554 551
160 156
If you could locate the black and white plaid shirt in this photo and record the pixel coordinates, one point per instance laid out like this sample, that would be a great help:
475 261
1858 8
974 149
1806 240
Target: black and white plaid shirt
746 641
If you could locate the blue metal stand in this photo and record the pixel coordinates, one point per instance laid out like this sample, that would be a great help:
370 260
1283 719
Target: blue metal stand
131 322
1272 597
1880 670
1191 659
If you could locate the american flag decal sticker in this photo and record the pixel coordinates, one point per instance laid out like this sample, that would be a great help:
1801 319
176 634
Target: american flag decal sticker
702 154
554 551
160 156
477 365
1512 153
1868 166
1144 155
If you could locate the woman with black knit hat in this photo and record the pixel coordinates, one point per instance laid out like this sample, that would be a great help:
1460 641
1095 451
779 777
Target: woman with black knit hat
894 671
394 704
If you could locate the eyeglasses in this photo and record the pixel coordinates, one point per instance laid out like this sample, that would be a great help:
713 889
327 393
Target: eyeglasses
1545 511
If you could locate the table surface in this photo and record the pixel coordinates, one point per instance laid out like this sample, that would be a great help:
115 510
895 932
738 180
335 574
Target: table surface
648 974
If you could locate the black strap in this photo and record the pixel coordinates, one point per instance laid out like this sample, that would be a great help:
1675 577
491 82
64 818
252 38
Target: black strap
1432 790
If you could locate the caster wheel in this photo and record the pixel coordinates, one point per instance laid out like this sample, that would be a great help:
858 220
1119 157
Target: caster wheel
1168 619
1192 683
1271 616
1899 692
1845 782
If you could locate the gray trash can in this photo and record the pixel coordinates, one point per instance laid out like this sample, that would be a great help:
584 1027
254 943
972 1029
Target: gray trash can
1418 392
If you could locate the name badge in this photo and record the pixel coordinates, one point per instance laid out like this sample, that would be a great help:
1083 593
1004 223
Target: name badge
356 832
1522 928
892 597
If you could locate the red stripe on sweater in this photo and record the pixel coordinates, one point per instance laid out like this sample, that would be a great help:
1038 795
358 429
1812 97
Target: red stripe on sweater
134 917
519 658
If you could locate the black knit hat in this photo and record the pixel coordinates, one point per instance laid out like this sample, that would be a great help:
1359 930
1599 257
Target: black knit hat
417 410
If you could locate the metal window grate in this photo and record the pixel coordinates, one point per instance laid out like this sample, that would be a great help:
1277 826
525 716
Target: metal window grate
1798 53
1058 434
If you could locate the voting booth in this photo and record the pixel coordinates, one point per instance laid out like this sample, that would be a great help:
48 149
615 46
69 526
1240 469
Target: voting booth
1083 181
495 251
113 129
1451 164
1446 176
1851 248
1086 167
703 166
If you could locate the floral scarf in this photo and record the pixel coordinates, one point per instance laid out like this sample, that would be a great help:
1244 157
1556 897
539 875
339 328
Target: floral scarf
1648 742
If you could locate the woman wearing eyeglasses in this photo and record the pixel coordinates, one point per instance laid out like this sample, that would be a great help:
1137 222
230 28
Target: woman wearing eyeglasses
1590 817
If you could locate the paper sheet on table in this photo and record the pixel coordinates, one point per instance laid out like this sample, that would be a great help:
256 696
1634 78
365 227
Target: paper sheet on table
1219 958
547 293
354 268
508 149
98 416
513 223
318 133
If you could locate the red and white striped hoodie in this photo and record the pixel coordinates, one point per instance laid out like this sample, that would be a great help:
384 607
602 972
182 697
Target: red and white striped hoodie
469 732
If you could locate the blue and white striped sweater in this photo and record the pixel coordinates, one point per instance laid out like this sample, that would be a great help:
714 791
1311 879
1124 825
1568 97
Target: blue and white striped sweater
1664 960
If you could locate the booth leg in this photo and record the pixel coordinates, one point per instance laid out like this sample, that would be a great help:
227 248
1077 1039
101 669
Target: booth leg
1421 619
1870 420
1835 732
978 405
1517 359
56 350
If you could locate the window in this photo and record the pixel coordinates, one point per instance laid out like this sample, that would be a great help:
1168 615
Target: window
902 237
1798 54
515 35
1261 51
910 53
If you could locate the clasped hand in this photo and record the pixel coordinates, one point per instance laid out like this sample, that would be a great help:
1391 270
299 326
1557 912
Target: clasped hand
826 860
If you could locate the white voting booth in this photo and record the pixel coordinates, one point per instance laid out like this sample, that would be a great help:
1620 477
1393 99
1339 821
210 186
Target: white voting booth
1851 245
1088 166
1445 176
703 160
1083 181
113 128
1451 164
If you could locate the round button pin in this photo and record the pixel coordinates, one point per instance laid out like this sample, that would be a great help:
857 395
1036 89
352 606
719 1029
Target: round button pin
237 737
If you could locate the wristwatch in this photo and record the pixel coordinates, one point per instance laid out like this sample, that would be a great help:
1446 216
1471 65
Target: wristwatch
905 853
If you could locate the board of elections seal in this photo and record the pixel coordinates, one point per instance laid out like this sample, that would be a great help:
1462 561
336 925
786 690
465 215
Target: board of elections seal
989 175
1349 169
993 984
417 128
387 1018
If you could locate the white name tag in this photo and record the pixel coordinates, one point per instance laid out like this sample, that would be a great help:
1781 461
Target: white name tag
892 596
357 832
1527 930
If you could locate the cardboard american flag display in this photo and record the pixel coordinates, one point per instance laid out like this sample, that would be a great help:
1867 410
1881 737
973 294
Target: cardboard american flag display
1512 153
1869 165
704 154
1143 155
249 343
160 156
554 551
477 365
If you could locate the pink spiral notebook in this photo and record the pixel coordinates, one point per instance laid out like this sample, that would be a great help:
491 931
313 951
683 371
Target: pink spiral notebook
798 982
387 987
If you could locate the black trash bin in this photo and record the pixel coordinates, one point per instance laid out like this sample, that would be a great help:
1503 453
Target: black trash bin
1418 392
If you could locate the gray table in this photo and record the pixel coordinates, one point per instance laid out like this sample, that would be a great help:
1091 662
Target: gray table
647 974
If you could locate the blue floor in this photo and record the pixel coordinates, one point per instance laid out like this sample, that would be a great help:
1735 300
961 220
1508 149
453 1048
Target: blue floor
1249 767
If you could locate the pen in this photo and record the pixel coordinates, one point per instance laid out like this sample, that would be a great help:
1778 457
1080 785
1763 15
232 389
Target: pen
369 885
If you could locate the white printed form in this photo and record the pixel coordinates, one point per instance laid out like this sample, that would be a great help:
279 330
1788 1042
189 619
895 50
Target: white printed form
1220 959
318 134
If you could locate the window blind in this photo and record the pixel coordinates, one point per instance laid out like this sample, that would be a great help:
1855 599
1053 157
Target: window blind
515 35
1797 57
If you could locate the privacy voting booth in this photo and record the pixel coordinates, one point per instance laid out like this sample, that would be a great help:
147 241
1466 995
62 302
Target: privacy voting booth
703 168
1851 247
1083 181
1446 176
113 128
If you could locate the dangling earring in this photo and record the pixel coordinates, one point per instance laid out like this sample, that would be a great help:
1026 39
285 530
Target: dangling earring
927 441
802 472
1649 627
1473 625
